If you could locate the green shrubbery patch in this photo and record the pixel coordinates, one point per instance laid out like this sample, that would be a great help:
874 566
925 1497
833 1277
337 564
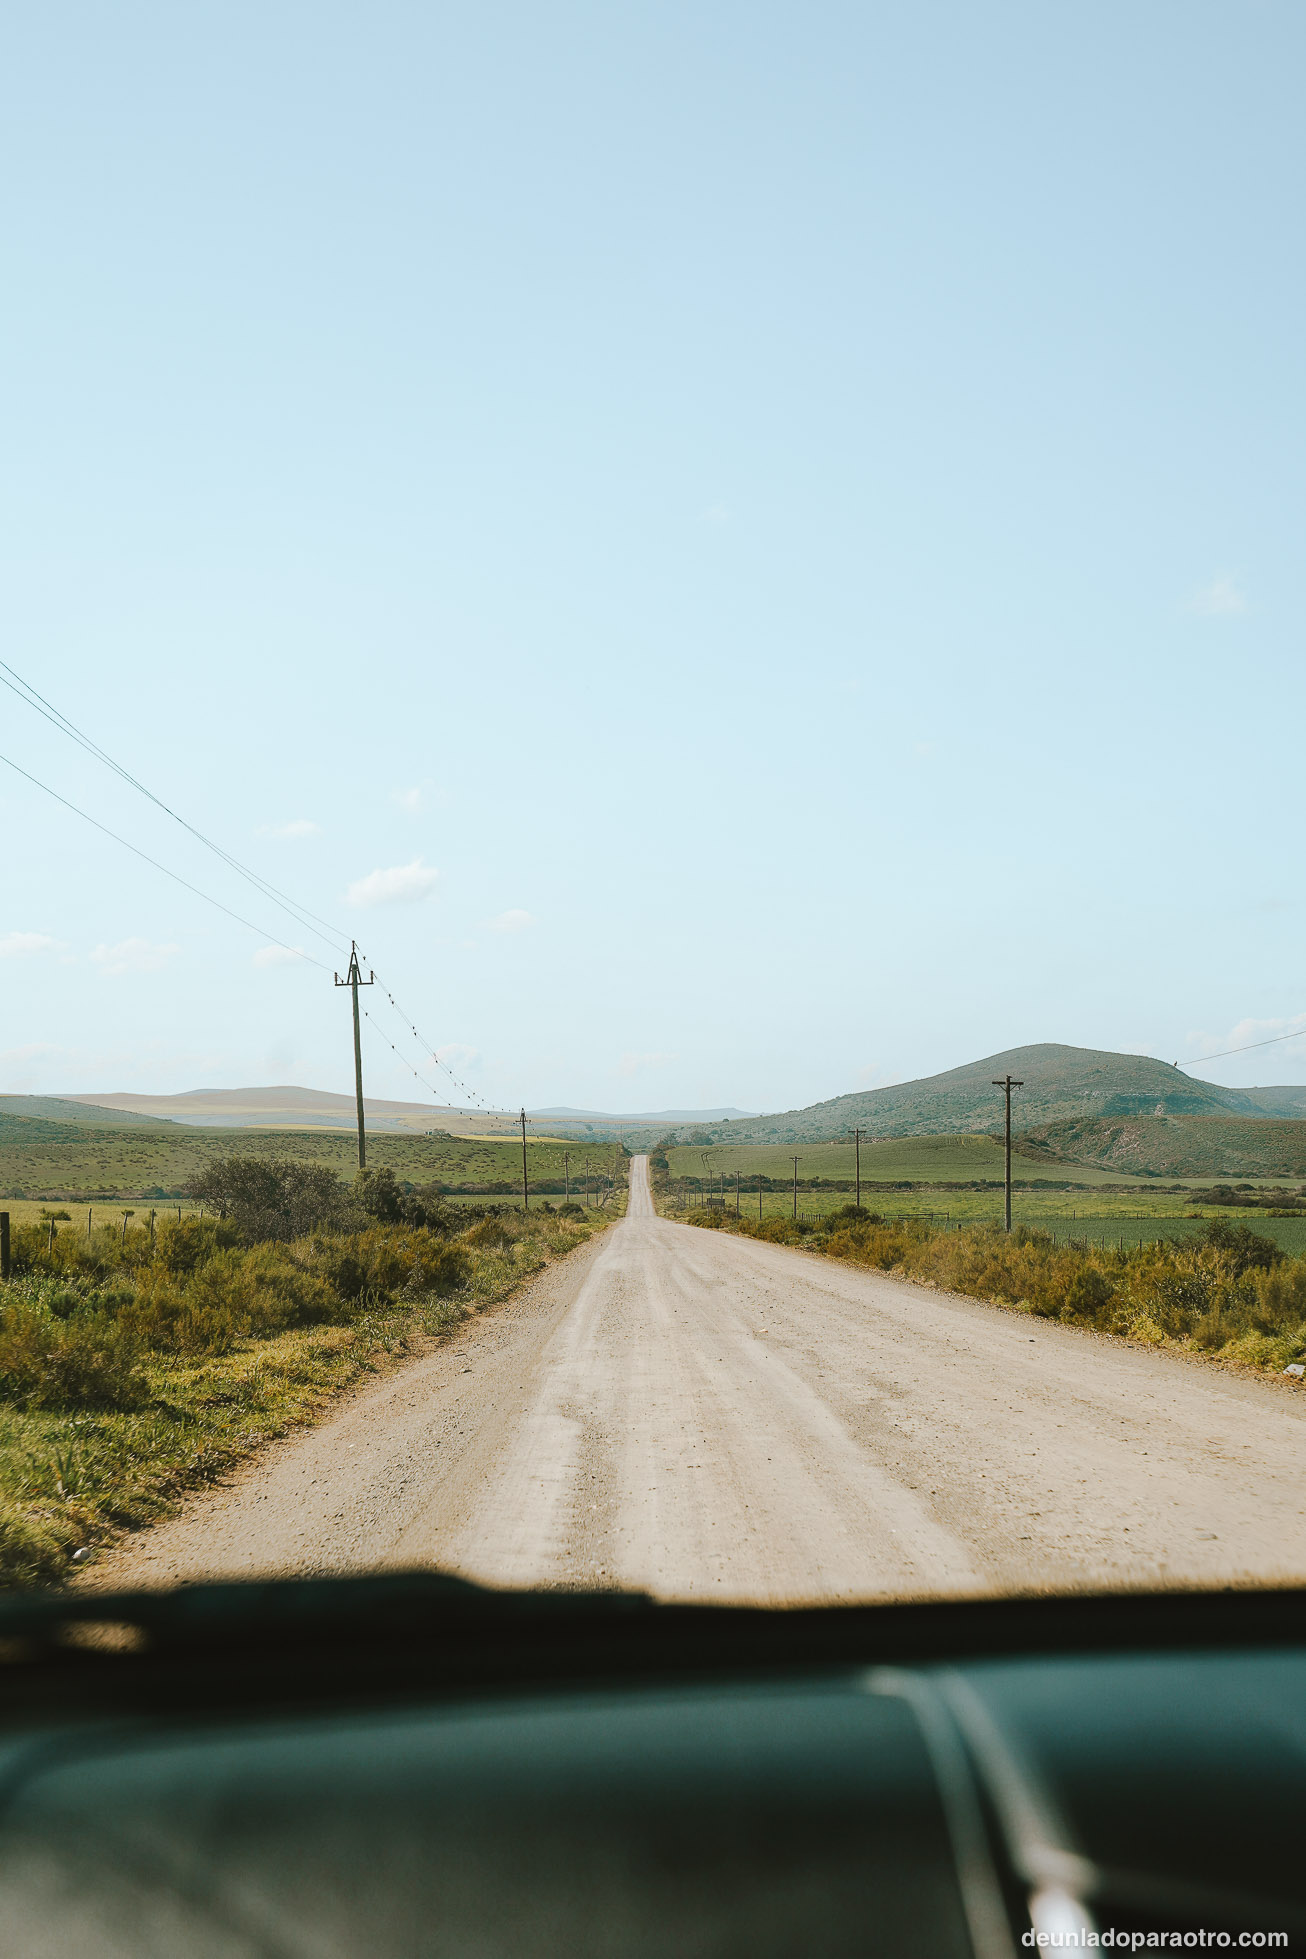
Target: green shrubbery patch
1227 1291
134 1364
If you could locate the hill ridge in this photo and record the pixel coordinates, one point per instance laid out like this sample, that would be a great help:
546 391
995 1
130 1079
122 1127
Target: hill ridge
1062 1083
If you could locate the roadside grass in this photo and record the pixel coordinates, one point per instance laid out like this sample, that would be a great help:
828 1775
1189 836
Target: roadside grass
128 1378
1228 1292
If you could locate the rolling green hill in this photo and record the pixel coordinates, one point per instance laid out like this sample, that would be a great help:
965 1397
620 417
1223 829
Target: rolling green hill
57 1108
1061 1084
1174 1146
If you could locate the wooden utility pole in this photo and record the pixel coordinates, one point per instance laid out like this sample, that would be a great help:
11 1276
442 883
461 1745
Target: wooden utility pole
1006 1084
795 1190
4 1244
739 1184
566 1171
857 1146
353 980
525 1185
587 1183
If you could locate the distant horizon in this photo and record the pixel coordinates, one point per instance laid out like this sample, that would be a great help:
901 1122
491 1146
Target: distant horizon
342 1100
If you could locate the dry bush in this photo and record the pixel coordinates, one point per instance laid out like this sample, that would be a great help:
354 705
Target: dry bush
89 1360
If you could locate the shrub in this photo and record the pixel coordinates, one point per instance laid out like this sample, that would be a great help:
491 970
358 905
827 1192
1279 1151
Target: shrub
1280 1297
271 1198
182 1244
89 1360
1088 1295
489 1234
1240 1248
851 1217
378 1197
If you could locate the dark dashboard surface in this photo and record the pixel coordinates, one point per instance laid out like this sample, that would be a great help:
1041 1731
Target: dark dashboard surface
412 1768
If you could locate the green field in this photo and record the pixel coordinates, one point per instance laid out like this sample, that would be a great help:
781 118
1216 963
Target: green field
1106 1215
40 1158
903 1159
1289 1234
1114 1218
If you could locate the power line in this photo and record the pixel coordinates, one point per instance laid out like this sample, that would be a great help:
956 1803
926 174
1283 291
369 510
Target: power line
297 951
381 1035
427 1048
310 921
57 719
1202 1059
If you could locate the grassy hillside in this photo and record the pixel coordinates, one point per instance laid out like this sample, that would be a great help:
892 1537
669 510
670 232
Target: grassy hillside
1175 1146
59 1108
39 1158
914 1159
1061 1084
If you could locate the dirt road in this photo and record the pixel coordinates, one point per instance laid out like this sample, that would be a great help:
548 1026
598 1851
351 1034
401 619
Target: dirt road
700 1415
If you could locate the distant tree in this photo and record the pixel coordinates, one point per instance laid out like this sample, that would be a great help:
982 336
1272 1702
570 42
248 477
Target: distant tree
1241 1247
378 1197
271 1198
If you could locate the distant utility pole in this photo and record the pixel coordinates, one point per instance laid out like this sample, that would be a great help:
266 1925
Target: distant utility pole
739 1184
857 1146
353 980
566 1171
587 1183
1006 1084
525 1185
795 1190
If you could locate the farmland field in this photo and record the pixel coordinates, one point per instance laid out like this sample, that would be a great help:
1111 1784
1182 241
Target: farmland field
40 1159
1105 1216
899 1159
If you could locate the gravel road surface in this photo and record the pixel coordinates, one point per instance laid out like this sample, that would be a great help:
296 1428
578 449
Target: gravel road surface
703 1416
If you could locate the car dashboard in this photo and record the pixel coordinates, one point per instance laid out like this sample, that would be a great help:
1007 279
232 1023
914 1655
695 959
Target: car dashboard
414 1766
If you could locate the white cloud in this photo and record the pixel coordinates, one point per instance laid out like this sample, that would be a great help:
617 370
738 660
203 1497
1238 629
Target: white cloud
409 800
457 1054
1219 599
133 956
510 921
300 827
21 945
1246 1033
637 1064
403 884
279 955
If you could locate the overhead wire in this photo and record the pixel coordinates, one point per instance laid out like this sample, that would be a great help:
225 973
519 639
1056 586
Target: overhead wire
381 1035
427 1048
1273 1040
296 951
308 920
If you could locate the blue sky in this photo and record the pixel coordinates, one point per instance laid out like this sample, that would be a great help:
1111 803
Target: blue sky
744 551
